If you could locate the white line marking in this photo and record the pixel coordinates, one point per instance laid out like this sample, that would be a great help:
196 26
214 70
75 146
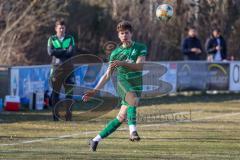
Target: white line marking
218 116
49 139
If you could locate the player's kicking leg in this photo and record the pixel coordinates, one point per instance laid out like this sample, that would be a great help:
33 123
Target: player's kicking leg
109 129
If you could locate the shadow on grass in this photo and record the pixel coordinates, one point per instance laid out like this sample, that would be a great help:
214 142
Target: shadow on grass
46 115
12 117
191 98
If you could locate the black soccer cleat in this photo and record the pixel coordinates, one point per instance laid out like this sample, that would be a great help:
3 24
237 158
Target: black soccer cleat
134 136
93 145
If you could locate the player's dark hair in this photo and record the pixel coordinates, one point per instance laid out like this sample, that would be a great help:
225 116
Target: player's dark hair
191 28
216 30
60 22
124 25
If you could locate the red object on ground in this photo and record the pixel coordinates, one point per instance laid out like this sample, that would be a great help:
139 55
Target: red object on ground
12 103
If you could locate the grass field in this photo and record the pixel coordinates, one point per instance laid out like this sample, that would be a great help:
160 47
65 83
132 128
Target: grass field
197 127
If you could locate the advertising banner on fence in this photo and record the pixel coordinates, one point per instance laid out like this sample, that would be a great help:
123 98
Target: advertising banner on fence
28 80
87 77
28 77
218 76
170 76
234 76
191 76
158 79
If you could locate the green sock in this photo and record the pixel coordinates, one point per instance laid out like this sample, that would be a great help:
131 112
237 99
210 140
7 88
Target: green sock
110 128
131 115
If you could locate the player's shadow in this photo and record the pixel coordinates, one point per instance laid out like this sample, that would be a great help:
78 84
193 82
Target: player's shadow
195 98
87 111
12 117
81 111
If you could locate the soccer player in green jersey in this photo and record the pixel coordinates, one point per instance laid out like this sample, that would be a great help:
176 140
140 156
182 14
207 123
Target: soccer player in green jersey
61 48
128 60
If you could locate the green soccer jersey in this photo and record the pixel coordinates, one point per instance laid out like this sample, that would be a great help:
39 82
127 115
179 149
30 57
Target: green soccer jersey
129 80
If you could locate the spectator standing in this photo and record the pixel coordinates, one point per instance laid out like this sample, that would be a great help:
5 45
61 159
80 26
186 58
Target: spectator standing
191 46
216 47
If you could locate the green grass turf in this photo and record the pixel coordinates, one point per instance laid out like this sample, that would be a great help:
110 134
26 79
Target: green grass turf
183 127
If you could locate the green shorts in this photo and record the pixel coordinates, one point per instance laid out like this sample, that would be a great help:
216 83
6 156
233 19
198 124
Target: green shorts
123 87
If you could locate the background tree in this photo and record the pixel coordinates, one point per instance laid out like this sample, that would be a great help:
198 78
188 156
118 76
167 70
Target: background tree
25 25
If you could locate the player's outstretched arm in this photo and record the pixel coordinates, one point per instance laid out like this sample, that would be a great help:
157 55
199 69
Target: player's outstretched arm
133 66
100 84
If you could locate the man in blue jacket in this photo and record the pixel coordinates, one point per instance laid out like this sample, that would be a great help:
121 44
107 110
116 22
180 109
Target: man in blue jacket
191 46
216 47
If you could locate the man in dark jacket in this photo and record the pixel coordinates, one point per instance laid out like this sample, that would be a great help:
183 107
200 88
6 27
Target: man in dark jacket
61 48
216 47
191 46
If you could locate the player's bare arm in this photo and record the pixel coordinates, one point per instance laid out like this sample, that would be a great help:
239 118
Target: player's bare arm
100 84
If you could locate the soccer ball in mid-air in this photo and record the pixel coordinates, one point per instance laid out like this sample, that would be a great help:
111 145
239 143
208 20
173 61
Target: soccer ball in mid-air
164 12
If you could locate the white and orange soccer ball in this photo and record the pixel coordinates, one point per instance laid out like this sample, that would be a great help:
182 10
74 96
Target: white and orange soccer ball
164 12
